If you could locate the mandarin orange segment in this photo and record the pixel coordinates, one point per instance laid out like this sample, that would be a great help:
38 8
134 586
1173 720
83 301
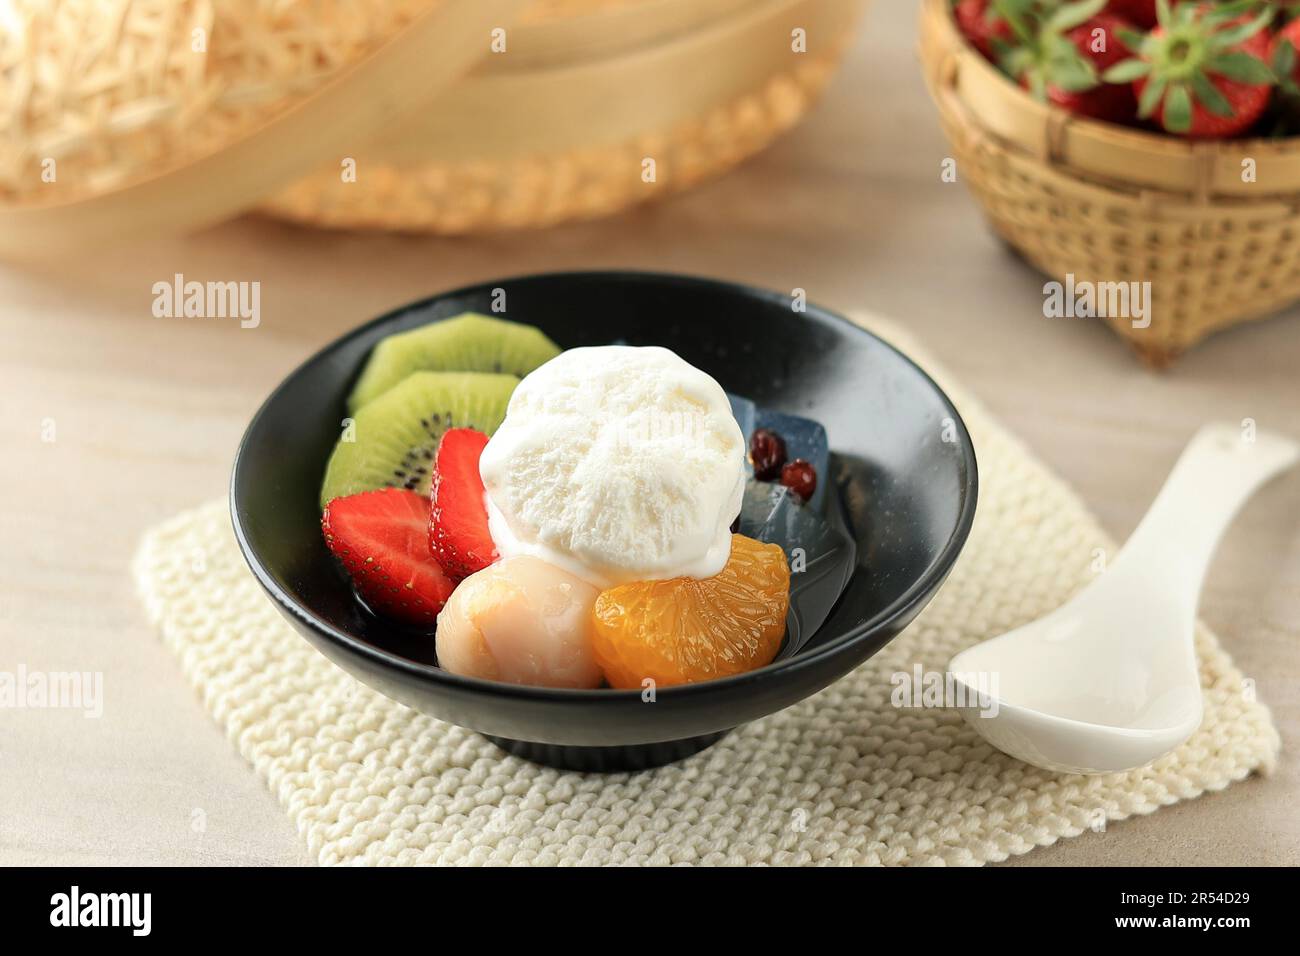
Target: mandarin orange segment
686 629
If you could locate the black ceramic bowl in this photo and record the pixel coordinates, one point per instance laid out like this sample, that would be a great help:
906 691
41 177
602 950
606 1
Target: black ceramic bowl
908 494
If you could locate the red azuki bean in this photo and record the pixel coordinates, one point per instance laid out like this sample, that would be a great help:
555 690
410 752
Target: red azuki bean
800 477
767 452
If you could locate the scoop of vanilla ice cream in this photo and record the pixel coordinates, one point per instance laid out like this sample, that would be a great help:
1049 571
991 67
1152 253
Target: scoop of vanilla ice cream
617 463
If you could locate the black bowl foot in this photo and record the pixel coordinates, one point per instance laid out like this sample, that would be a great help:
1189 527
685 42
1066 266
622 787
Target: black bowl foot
607 759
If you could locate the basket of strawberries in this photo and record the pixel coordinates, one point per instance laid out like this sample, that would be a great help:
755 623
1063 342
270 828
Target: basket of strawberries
1151 145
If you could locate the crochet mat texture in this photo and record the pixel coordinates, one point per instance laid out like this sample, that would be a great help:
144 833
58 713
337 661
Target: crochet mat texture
844 777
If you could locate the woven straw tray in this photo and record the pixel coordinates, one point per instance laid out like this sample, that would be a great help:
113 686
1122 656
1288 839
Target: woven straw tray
148 133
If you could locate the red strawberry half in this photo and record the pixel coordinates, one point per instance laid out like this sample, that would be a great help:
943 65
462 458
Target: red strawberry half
1202 71
458 528
382 538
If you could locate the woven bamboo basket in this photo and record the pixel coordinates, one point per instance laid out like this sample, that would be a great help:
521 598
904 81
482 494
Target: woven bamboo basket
165 115
1109 204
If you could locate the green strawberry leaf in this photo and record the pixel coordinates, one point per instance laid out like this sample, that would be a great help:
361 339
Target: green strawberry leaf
1133 39
1284 59
1126 71
1073 75
1013 14
1224 12
1015 60
1178 110
1038 86
1001 51
1209 95
1240 66
1162 13
1232 36
1184 14
1151 96
1074 14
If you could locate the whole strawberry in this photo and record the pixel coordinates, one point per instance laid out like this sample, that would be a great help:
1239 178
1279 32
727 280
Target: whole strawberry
981 25
1202 72
1061 51
1284 55
1141 13
1098 41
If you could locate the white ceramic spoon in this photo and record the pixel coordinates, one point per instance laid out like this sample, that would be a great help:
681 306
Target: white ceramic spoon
1109 681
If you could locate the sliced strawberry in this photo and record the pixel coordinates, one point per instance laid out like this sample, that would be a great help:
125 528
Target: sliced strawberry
382 538
458 527
1201 72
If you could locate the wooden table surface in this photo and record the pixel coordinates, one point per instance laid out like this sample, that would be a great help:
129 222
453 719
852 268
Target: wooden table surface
146 413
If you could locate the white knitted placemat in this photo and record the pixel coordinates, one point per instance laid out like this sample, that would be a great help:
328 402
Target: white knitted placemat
844 777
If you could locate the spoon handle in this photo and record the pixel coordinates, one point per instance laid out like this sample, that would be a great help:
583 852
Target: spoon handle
1220 468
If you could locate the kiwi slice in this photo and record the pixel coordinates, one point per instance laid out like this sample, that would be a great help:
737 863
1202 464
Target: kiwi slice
394 437
467 343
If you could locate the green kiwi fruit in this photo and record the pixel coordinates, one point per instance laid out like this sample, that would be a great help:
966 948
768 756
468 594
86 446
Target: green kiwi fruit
467 343
390 442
